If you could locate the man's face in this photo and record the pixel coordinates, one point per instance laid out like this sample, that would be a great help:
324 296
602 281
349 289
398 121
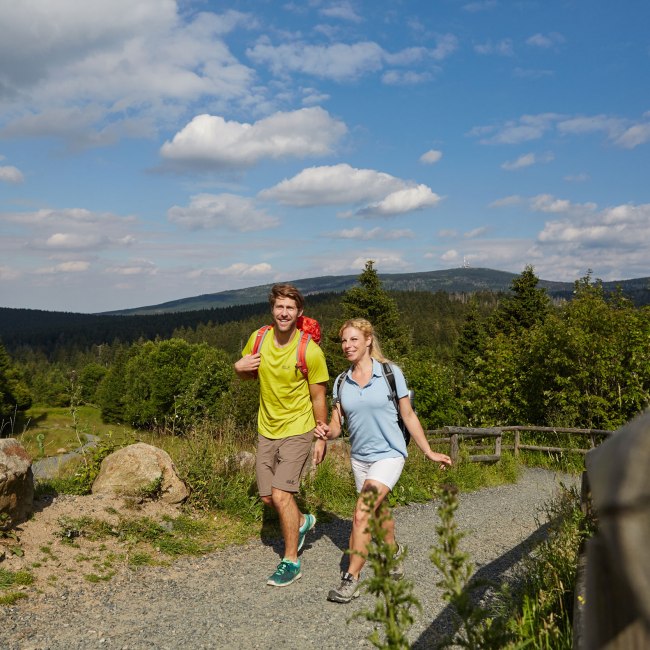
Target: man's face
285 314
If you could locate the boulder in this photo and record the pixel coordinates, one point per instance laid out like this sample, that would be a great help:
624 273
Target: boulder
16 483
140 470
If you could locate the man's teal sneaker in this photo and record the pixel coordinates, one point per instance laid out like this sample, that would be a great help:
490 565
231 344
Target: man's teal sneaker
310 522
286 573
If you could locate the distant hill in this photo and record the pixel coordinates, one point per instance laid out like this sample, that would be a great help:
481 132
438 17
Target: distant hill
454 281
48 330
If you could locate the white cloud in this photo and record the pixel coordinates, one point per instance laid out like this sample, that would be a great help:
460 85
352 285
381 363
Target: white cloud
211 141
476 232
374 233
546 41
228 211
343 10
431 157
548 203
7 274
135 267
506 201
450 256
480 5
71 229
239 269
333 185
9 174
526 160
502 48
405 77
577 178
402 201
120 60
342 61
64 267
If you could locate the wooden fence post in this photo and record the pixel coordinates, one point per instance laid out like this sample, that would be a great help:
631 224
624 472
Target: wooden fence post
516 443
453 453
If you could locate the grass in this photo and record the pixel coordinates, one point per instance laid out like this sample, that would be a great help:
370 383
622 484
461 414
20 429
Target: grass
11 579
49 430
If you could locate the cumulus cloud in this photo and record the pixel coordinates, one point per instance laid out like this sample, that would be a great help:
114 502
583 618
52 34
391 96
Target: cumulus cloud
9 174
212 141
342 184
431 157
406 200
608 237
118 62
221 211
333 185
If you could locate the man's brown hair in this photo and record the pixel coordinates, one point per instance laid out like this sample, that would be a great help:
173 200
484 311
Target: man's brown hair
286 291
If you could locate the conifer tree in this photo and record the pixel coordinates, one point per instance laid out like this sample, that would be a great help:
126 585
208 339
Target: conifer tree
371 301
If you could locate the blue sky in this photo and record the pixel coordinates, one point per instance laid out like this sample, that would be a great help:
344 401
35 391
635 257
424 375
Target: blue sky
152 150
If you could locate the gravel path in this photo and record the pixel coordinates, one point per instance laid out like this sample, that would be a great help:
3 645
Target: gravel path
221 600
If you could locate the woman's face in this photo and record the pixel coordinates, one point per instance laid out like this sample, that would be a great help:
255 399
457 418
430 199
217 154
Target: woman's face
355 344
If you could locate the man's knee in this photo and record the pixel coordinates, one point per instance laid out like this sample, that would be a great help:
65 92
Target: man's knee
267 500
281 498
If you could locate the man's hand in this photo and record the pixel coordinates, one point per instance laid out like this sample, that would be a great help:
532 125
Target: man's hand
320 450
248 365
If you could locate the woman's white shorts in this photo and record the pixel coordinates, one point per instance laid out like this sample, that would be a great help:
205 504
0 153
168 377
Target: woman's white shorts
386 471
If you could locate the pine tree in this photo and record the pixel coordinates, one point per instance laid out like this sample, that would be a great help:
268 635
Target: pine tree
369 300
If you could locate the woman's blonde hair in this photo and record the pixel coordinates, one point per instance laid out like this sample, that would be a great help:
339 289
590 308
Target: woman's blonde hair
366 327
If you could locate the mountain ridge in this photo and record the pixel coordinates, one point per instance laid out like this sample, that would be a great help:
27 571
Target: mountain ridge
458 280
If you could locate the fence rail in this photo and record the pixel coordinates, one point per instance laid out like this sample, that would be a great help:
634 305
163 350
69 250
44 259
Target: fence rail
455 435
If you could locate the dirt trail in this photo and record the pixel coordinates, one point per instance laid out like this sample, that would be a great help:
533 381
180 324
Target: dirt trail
221 600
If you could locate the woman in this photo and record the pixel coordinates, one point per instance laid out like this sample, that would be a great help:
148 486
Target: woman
378 448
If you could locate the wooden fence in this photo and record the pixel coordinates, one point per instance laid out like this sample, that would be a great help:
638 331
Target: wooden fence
455 435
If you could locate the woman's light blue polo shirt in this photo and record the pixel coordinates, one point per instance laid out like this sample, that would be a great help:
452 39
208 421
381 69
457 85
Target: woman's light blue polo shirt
371 415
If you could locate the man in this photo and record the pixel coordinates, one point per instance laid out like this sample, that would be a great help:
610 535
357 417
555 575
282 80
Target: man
289 407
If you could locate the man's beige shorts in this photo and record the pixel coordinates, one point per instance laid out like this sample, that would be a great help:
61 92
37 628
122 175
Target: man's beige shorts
281 463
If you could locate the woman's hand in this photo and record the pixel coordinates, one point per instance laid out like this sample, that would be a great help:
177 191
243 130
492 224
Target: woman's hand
443 459
322 430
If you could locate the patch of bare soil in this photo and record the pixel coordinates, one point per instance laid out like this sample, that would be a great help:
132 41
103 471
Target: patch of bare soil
60 552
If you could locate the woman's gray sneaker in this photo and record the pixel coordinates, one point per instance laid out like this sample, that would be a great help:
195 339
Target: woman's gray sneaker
347 590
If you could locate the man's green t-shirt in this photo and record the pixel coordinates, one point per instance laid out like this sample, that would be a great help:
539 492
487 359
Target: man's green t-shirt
285 402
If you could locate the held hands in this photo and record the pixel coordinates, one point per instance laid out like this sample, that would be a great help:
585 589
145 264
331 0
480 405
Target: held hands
322 430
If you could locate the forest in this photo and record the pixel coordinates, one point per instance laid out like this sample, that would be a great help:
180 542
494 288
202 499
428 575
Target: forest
481 359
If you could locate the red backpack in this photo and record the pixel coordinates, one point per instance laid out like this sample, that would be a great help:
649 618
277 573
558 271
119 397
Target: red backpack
309 331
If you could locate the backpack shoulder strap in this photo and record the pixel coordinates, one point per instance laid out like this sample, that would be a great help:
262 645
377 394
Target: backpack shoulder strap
259 339
389 376
340 380
301 353
261 333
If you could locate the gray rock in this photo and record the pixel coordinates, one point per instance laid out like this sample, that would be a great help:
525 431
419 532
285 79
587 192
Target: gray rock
16 483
